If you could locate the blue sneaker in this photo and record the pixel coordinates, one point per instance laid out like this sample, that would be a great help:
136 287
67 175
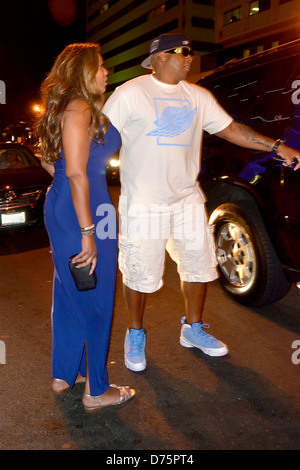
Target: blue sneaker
134 349
193 336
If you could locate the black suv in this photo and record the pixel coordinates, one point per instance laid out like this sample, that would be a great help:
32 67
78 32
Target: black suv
254 201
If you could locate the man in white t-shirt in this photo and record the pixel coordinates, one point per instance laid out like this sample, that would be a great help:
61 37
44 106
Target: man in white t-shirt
161 118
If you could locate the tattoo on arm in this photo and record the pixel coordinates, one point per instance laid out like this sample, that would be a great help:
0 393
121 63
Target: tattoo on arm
252 136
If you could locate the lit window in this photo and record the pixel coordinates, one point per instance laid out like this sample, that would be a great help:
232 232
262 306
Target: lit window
103 9
157 11
258 6
232 15
253 8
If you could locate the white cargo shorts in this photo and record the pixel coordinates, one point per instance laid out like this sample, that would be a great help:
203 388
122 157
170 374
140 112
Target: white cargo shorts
182 230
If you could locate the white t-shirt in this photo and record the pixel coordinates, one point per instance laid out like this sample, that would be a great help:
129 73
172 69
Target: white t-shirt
161 127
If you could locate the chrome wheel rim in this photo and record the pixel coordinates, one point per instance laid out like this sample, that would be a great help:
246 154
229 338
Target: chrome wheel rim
236 255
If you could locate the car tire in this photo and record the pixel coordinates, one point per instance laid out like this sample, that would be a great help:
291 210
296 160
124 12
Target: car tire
249 268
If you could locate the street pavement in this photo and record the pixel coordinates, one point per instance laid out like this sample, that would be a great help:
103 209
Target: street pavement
185 401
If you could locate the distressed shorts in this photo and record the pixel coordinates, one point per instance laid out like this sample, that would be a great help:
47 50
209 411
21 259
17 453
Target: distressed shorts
181 230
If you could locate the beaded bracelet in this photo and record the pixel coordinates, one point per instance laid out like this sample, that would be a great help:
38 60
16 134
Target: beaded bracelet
88 230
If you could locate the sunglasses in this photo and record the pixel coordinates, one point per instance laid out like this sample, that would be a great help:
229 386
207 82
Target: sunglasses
185 51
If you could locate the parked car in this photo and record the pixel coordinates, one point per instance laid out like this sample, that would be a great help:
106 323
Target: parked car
252 200
23 186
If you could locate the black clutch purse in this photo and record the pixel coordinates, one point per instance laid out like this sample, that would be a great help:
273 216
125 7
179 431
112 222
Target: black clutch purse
81 276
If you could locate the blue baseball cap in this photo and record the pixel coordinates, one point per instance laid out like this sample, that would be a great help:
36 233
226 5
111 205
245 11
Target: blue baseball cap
165 42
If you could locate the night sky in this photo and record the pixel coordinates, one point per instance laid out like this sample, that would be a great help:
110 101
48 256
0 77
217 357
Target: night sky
32 34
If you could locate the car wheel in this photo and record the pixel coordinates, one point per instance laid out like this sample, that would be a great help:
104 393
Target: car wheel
249 268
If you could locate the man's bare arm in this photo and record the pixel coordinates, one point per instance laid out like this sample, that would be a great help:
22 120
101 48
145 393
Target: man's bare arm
245 136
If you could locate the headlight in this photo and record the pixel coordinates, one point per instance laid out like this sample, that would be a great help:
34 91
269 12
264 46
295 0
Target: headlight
114 162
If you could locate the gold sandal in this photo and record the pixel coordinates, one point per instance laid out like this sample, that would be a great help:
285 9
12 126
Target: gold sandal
126 394
57 391
79 379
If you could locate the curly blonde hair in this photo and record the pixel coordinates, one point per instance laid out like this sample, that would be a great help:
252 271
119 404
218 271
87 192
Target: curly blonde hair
71 77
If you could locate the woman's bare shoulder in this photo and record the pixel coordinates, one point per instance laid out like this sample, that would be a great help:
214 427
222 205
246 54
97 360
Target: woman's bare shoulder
78 110
79 105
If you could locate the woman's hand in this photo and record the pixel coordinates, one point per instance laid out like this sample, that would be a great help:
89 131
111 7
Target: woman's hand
88 254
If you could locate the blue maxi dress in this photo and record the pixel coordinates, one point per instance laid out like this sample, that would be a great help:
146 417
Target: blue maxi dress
81 320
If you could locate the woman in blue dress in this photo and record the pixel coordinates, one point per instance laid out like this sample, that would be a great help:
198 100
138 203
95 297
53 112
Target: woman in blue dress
77 140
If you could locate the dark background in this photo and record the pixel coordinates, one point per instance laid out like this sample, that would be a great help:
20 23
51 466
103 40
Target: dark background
32 34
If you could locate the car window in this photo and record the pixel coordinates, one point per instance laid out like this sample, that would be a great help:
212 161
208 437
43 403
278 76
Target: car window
259 96
16 159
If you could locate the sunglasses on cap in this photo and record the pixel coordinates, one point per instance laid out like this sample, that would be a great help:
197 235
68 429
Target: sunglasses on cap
185 51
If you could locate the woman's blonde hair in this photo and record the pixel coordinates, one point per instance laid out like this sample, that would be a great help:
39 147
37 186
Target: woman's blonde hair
71 77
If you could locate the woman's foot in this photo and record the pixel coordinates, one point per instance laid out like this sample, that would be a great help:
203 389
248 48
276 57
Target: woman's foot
60 386
113 396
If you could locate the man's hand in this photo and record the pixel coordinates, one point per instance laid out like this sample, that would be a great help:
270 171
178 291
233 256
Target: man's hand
291 156
245 136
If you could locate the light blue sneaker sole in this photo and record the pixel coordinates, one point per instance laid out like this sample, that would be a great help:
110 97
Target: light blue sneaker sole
135 367
217 352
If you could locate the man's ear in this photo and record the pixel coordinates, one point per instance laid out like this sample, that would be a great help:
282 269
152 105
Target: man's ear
162 57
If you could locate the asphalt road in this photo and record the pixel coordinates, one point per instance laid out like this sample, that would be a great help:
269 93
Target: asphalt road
185 401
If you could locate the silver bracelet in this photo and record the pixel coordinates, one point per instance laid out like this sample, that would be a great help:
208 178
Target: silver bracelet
88 230
276 145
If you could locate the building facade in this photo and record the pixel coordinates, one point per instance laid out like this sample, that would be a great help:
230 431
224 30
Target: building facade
245 27
125 30
220 30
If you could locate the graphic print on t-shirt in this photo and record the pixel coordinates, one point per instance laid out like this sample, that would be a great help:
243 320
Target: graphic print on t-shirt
174 124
